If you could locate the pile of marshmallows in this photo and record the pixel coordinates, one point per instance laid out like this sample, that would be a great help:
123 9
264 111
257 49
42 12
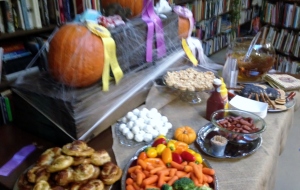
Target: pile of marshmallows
144 125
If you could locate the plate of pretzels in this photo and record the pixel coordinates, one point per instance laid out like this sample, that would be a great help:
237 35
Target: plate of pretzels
73 166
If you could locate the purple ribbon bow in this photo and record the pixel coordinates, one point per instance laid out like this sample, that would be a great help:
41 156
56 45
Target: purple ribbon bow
153 23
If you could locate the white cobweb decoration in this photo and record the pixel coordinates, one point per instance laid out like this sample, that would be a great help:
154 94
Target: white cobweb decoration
79 112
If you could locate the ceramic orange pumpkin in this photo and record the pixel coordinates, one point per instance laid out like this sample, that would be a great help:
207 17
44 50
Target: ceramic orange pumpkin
76 56
136 6
185 134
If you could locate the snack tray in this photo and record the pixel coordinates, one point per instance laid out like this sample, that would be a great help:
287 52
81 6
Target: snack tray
134 158
288 105
16 187
232 150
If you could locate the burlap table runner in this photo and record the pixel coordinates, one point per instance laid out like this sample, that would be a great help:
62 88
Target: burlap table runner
256 171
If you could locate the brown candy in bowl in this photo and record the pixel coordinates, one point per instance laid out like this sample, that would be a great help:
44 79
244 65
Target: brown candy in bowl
238 126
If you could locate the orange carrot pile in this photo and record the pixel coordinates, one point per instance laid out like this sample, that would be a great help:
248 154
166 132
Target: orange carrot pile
152 172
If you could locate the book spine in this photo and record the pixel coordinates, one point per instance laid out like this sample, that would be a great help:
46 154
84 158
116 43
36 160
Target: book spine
15 55
67 10
3 111
36 16
46 12
29 10
7 109
42 11
7 12
18 11
23 6
61 11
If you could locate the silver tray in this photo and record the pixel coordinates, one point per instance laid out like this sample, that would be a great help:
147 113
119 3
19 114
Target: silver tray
288 105
134 159
232 150
16 187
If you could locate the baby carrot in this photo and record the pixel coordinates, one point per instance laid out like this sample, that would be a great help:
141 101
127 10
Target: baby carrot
209 179
176 165
129 181
129 187
161 180
139 178
188 168
142 163
136 186
142 155
172 180
165 171
131 169
152 187
184 163
172 172
208 171
180 174
195 179
197 169
150 180
154 170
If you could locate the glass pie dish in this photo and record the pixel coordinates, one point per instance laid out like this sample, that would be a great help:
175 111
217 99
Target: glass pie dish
189 83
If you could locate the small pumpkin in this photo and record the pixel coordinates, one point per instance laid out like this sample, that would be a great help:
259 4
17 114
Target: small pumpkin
76 56
185 134
136 6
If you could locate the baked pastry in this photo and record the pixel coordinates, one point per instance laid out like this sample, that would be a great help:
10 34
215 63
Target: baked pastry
94 184
83 172
60 163
100 157
64 177
81 160
42 185
77 148
38 173
24 184
47 157
110 173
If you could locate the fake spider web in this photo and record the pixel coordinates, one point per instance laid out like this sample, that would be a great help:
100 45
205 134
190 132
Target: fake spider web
80 113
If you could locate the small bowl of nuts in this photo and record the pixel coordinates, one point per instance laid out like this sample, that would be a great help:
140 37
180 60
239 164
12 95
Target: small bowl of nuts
238 126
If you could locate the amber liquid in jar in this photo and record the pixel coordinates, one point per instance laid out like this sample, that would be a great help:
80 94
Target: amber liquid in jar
255 67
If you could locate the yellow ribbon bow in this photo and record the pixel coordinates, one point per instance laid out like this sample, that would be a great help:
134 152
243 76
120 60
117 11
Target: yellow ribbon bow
110 59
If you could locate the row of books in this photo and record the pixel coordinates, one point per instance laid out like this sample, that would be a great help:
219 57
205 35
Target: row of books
31 14
206 9
18 59
283 40
207 29
245 16
216 43
286 65
283 14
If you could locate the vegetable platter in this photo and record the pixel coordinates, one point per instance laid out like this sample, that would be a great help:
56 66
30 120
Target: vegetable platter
168 164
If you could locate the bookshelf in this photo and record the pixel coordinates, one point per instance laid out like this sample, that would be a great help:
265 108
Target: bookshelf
281 20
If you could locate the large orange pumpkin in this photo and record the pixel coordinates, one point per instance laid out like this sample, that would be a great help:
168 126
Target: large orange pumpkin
136 6
76 56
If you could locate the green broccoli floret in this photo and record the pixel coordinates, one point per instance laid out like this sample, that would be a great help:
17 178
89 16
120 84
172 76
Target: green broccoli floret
184 183
166 187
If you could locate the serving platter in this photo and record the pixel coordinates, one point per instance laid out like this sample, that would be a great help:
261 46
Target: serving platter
133 160
16 187
232 150
288 106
